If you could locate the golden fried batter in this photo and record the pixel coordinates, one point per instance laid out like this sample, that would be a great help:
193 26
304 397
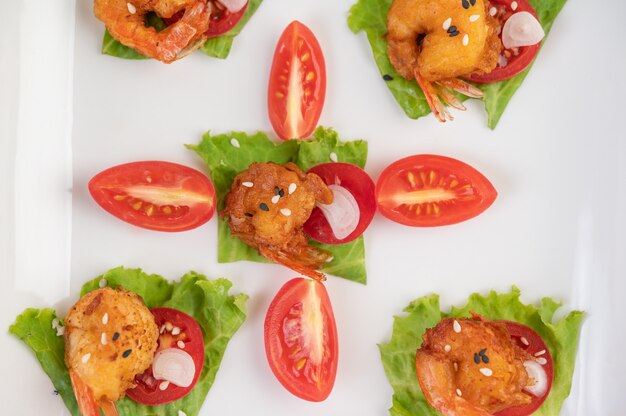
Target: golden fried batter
455 383
267 207
110 337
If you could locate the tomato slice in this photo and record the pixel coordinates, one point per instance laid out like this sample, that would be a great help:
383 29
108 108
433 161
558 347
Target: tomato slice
297 86
362 188
301 339
160 196
148 390
431 190
532 343
222 20
517 59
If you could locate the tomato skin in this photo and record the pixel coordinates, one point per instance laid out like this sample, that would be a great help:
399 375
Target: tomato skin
360 185
194 346
291 299
518 63
155 195
295 102
405 192
223 20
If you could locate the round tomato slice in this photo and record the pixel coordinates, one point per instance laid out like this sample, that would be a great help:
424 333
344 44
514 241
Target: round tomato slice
160 196
431 190
177 330
515 60
301 339
356 181
532 343
297 86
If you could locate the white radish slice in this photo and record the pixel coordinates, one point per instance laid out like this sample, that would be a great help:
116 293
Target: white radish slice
234 6
538 374
521 29
343 214
175 366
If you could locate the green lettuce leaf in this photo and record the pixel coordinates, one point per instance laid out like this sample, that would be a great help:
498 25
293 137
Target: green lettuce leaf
398 356
219 315
218 47
370 16
226 161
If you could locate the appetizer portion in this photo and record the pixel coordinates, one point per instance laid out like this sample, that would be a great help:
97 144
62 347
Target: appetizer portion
267 207
493 356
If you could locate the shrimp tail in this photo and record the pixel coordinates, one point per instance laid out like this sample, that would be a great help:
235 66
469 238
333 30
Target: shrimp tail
461 86
304 263
432 98
87 404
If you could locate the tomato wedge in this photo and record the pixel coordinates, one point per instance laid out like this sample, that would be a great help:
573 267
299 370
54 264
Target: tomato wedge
178 330
431 190
356 181
160 196
297 86
301 339
532 343
514 60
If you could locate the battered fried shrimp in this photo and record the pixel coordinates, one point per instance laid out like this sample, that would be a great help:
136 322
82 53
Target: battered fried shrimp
110 337
267 207
471 367
437 41
125 21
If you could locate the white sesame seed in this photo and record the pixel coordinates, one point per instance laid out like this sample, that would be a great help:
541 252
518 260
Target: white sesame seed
447 348
331 258
103 338
447 23
540 353
180 345
486 372
164 385
493 11
292 188
514 6
247 184
86 358
275 199
131 9
474 17
175 330
149 179
102 283
456 366
285 211
542 361
465 39
456 326
55 323
60 331
169 326
459 393
105 318
333 156
235 143
524 341
181 413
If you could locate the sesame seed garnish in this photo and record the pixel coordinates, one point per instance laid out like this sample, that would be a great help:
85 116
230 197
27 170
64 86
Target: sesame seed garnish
540 353
126 353
115 336
514 6
169 326
264 206
459 392
131 9
456 366
447 23
86 358
331 258
486 372
465 39
493 11
247 184
387 77
180 345
456 326
447 348
542 361
524 341
235 143
103 338
292 188
477 358
465 4
474 17
102 283
333 156
181 413
275 199
285 211
247 214
164 385
60 331
55 323
175 330
105 318
162 330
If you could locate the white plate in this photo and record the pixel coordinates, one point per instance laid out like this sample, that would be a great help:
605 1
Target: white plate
557 158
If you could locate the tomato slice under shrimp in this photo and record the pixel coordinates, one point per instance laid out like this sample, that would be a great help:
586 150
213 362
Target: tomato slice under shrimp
222 20
517 59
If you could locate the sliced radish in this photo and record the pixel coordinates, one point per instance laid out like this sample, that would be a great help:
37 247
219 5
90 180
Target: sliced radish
175 366
538 374
343 214
521 29
234 6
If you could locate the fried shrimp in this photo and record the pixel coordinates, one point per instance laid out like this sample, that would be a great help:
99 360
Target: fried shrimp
110 337
125 20
471 367
267 207
437 41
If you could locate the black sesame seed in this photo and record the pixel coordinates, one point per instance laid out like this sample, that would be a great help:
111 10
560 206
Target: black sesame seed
476 358
264 206
453 34
281 193
472 2
465 4
387 77
276 190
452 29
115 336
247 214
482 352
126 353
485 359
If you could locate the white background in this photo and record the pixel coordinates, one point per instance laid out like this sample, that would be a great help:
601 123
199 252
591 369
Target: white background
557 159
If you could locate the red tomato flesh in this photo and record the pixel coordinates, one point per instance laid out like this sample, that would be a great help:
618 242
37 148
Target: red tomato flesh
301 339
532 343
160 196
517 59
362 188
297 85
431 190
148 389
